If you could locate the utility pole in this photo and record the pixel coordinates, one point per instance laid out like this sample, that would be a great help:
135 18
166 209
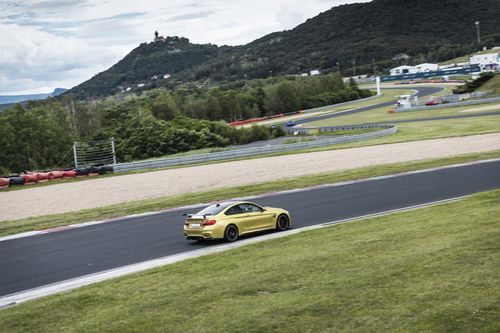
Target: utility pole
374 68
478 30
354 65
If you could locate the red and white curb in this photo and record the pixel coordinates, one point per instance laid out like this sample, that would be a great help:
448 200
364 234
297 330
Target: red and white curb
305 189
67 285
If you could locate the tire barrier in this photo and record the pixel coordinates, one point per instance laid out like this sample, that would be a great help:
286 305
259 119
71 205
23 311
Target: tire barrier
43 176
255 120
94 171
69 173
16 181
82 171
37 177
4 182
105 169
56 175
30 178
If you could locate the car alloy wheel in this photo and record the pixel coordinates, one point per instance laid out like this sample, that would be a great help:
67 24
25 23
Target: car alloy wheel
282 223
231 233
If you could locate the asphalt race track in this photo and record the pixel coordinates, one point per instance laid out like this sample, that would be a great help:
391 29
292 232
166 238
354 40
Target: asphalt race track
44 259
421 92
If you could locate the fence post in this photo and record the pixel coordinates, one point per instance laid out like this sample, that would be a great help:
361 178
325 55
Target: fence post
74 155
113 150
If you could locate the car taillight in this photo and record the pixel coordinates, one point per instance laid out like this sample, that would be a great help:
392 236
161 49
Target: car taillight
209 222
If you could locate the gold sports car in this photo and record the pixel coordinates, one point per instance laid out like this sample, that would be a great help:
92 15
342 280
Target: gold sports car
231 219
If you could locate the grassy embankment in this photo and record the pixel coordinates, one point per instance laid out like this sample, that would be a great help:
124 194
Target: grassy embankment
50 221
435 269
492 86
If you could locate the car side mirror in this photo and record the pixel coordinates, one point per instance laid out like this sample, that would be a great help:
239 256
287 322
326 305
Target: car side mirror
263 210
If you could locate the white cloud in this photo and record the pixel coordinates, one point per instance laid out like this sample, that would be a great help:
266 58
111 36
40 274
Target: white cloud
60 43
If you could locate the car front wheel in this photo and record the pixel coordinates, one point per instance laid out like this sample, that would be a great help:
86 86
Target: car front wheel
231 233
282 223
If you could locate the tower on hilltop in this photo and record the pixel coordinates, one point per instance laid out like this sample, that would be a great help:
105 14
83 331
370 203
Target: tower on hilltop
158 38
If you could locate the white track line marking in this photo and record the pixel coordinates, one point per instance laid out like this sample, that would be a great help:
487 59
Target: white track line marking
305 189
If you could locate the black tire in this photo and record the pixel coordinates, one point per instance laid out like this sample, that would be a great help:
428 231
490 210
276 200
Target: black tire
16 181
282 222
82 171
231 233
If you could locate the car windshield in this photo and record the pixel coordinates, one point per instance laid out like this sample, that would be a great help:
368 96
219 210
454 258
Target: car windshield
214 209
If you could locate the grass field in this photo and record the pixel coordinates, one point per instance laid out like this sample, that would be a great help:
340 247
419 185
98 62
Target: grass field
44 222
436 269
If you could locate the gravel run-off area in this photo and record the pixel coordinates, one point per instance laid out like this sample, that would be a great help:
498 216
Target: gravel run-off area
67 197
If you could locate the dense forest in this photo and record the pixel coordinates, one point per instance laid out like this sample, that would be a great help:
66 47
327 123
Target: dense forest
39 135
358 38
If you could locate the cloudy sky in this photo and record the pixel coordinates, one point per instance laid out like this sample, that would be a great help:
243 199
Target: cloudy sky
46 44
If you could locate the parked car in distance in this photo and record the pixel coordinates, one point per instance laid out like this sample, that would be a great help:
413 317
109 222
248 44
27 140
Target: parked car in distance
231 219
290 123
431 103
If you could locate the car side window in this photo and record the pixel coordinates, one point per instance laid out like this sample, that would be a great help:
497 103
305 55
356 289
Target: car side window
237 209
249 208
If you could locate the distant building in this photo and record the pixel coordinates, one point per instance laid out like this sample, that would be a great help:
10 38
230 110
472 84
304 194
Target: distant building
422 68
158 38
405 69
487 61
426 67
314 72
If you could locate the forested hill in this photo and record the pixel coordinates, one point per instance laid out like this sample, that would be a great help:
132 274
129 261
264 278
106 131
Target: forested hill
148 64
366 36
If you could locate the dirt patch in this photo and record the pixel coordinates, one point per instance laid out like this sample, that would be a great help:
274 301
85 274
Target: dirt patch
93 193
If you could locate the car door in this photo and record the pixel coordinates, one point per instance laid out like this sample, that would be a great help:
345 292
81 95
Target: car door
238 216
257 217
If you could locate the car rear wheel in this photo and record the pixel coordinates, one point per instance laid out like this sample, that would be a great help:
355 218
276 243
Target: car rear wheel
231 233
282 223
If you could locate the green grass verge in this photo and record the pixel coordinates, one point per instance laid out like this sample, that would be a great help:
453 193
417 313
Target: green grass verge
435 269
492 86
50 221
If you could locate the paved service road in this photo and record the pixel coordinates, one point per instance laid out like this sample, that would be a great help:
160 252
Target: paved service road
40 260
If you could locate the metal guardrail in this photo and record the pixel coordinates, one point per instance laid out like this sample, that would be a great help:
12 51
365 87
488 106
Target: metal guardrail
450 105
255 151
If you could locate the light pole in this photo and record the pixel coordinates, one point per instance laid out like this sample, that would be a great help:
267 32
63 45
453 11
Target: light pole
478 33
